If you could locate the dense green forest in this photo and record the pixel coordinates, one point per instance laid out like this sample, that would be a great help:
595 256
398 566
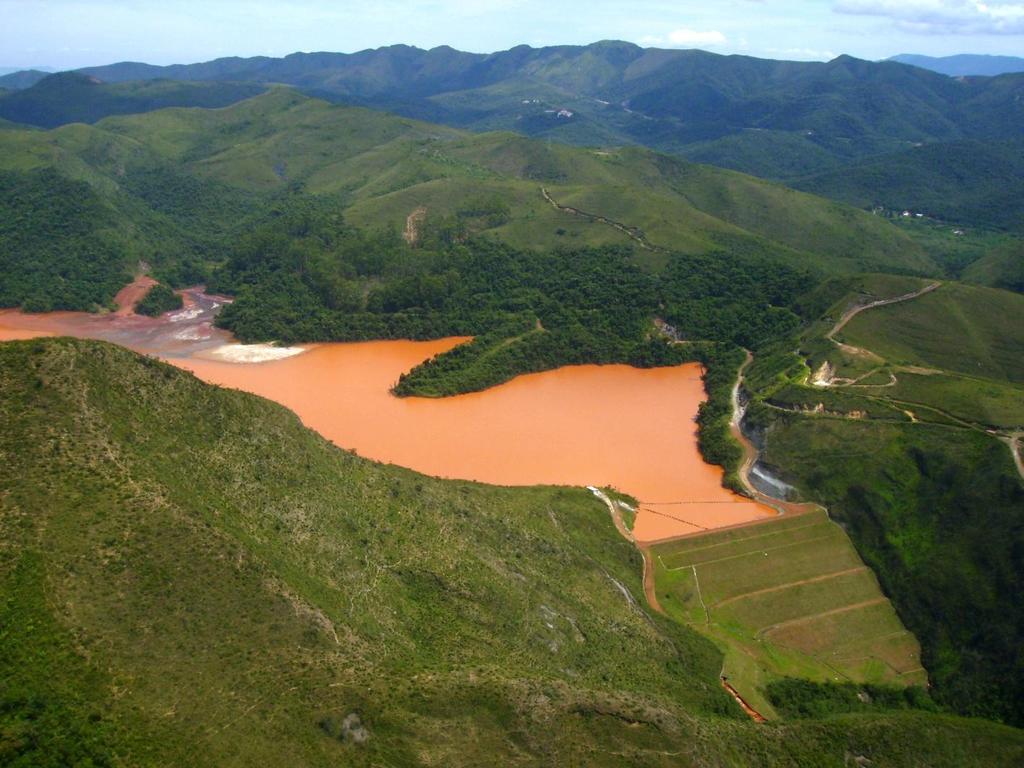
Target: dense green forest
305 275
158 299
803 698
57 250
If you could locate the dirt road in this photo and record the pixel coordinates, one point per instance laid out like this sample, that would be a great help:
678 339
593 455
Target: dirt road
855 310
750 455
632 232
132 294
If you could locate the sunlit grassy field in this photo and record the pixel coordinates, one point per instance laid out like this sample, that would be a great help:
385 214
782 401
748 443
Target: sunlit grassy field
786 597
965 329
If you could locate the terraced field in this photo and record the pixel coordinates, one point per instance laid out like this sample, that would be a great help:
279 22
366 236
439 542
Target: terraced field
786 597
906 424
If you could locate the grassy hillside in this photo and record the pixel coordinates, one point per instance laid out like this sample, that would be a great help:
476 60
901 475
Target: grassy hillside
963 182
389 167
186 182
218 585
1002 267
789 597
902 430
966 329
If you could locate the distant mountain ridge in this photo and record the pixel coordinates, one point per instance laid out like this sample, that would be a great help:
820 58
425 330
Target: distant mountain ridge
25 78
964 64
621 93
12 70
781 120
74 97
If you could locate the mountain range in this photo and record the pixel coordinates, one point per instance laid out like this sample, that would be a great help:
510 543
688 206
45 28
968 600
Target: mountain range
798 122
181 175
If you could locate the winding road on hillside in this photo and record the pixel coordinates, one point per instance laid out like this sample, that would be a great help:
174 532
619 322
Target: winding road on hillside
824 377
856 309
623 529
635 233
1014 441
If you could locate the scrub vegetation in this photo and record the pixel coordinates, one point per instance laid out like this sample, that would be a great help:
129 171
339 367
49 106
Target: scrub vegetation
158 299
216 583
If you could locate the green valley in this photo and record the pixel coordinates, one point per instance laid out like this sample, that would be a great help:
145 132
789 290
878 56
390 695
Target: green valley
188 575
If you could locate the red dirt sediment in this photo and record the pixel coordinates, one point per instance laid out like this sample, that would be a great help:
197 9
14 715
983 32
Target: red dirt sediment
132 294
754 715
649 585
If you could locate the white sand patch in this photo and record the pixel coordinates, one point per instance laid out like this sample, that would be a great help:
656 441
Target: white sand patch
251 353
195 333
186 314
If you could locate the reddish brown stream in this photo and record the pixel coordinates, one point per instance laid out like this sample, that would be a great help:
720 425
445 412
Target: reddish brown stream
582 425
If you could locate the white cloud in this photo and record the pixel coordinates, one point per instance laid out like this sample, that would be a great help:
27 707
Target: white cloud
943 17
685 36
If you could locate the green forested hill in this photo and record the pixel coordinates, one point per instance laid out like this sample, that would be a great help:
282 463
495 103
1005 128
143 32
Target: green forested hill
903 426
777 119
1002 267
216 584
59 244
651 96
186 182
977 182
70 97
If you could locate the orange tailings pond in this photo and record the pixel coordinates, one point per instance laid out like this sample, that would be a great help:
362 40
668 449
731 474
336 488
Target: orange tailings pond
611 425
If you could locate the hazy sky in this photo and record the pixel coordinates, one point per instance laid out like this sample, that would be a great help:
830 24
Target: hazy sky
75 33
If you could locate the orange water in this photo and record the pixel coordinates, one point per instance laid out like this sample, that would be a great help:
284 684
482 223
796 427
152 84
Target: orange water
609 425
